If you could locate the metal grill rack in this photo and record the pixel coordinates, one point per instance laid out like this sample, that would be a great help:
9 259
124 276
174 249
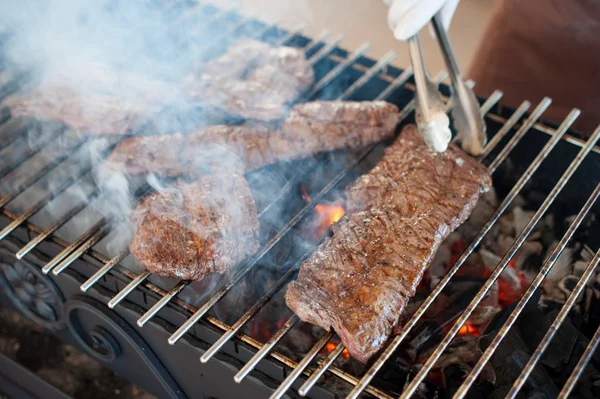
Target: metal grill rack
391 81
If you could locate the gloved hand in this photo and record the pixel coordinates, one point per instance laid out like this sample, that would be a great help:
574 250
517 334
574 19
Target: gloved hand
407 17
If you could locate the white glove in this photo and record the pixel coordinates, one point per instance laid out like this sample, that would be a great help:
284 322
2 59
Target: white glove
407 17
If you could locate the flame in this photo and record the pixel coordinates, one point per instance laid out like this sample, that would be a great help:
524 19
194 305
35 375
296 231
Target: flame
331 347
468 329
507 295
327 214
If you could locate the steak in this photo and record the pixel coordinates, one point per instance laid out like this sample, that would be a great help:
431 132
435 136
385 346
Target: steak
360 279
252 80
309 129
191 230
97 101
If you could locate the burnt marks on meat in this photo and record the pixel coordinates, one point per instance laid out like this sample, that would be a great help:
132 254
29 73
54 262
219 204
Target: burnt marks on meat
359 281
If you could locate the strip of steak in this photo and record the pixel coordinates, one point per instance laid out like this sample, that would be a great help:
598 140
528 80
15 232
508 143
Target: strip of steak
96 100
194 229
252 80
359 280
309 129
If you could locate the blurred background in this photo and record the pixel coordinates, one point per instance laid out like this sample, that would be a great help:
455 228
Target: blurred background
366 21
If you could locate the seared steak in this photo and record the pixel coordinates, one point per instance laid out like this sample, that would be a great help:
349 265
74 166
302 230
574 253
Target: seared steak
101 101
252 80
194 229
310 128
359 280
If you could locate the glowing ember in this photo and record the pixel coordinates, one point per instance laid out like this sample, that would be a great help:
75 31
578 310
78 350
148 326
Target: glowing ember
469 329
327 214
507 295
331 347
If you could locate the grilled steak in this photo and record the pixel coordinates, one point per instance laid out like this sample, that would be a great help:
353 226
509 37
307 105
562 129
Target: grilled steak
194 229
252 80
359 280
99 101
310 128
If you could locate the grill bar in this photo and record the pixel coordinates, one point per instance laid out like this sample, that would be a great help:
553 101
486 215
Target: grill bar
318 373
323 367
93 240
41 203
100 225
491 101
104 269
41 173
548 264
39 146
535 115
585 358
248 315
370 74
162 302
128 289
516 245
339 68
507 127
37 240
314 43
564 311
312 353
408 326
296 32
324 52
266 348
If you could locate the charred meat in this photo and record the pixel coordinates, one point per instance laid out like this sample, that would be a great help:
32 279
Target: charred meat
191 230
310 128
359 280
252 80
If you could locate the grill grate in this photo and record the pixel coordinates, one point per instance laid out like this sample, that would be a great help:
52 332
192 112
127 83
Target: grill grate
321 49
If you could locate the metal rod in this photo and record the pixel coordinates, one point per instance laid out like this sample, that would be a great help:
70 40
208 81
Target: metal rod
41 173
412 387
55 226
315 42
39 146
104 269
314 351
581 364
162 302
510 123
314 377
128 289
562 315
491 101
41 203
324 52
396 83
372 72
535 115
76 254
223 339
258 356
291 34
398 339
548 264
339 68
73 246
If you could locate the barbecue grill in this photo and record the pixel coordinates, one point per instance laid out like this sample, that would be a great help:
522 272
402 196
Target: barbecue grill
152 332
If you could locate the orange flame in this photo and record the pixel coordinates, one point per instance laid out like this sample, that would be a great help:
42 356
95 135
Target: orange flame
331 347
468 329
327 214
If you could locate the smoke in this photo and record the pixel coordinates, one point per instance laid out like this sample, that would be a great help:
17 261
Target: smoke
138 52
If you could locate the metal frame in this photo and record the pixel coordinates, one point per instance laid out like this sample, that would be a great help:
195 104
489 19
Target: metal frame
84 243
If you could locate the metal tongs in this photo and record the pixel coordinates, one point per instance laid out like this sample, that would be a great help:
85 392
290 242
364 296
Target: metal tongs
468 121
